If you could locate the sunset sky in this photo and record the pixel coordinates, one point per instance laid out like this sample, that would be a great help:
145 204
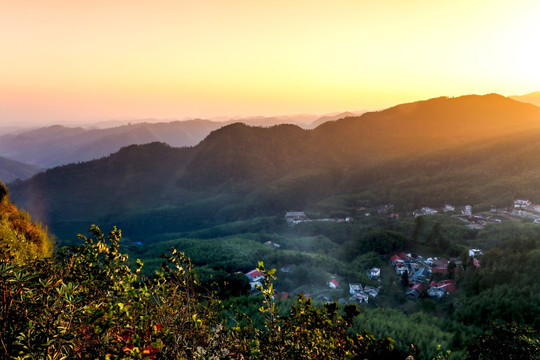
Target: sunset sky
75 61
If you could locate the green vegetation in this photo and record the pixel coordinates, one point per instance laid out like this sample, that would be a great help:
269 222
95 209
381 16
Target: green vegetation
21 240
88 303
221 204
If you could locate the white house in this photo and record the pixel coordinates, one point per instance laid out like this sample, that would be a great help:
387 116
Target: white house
295 216
374 273
355 288
475 252
522 203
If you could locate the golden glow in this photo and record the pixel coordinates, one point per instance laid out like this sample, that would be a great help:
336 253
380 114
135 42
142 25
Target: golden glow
81 60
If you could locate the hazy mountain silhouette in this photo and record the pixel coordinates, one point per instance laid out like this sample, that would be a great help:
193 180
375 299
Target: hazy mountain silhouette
333 117
445 149
11 170
532 98
58 145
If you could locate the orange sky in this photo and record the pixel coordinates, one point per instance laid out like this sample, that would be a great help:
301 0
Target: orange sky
71 60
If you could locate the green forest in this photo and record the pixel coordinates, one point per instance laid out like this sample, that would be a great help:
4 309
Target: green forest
374 272
185 295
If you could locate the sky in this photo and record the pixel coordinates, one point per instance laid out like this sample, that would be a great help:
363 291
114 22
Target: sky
66 61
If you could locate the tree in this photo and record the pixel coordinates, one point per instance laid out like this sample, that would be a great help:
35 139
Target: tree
508 341
21 240
3 192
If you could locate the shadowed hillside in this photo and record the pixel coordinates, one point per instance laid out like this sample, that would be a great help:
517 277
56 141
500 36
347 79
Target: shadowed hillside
11 170
446 149
425 126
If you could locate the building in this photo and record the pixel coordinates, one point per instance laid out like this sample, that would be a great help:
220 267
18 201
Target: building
355 288
416 291
522 203
475 252
294 217
374 273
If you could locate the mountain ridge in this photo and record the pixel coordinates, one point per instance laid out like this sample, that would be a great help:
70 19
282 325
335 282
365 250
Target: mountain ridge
240 171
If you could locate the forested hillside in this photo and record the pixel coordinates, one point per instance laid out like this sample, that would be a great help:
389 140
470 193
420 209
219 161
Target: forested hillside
222 204
472 149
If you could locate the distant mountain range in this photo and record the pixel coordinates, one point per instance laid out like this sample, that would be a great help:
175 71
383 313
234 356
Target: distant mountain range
11 170
471 149
59 145
532 98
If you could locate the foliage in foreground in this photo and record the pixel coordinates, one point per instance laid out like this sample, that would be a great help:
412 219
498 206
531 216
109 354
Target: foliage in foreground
88 303
21 239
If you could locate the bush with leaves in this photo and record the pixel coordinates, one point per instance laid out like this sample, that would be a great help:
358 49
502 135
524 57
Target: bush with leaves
21 240
87 303
90 304
508 341
310 332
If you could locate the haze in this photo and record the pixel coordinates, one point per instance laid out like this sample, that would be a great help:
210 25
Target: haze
73 61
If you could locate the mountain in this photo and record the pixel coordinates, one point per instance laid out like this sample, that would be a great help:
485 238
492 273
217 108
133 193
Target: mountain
333 117
302 120
471 149
11 170
532 98
58 145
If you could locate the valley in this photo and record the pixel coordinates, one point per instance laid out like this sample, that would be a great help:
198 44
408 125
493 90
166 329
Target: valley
362 194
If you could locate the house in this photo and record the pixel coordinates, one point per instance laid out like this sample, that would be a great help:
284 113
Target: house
400 267
447 285
435 292
283 295
374 273
394 259
355 288
522 203
476 263
441 288
475 252
333 284
467 211
428 211
255 275
421 275
359 298
294 217
448 208
371 291
416 291
536 208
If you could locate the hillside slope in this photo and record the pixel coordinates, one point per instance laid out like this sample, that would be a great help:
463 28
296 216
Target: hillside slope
444 149
59 145
21 240
11 170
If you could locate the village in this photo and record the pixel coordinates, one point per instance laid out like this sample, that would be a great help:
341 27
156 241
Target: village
421 277
520 209
431 277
